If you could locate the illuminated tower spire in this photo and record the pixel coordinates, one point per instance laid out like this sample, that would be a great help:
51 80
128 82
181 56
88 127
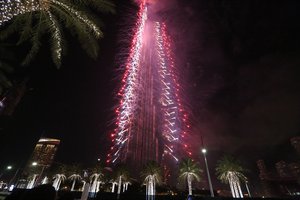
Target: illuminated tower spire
151 123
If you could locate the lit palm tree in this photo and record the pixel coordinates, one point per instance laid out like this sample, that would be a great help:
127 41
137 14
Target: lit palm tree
188 171
95 180
74 178
58 179
75 170
35 18
32 180
122 177
229 170
152 176
114 183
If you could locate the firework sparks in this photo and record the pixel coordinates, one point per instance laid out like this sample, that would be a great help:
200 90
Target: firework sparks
150 114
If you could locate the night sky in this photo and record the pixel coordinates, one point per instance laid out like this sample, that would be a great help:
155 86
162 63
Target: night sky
240 63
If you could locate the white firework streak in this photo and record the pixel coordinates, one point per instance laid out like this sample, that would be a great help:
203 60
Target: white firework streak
171 128
129 91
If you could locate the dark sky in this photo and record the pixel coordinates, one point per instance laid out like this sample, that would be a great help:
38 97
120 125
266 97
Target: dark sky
239 61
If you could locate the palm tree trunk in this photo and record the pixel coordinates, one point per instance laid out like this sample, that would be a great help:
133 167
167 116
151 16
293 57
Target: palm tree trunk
73 185
59 182
31 183
240 190
113 188
98 186
236 189
189 180
152 186
153 193
231 188
231 183
83 185
120 185
54 183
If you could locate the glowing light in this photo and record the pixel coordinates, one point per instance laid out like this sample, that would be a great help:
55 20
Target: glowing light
129 90
173 120
12 8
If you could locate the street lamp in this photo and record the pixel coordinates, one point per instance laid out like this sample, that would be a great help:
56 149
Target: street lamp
9 167
207 171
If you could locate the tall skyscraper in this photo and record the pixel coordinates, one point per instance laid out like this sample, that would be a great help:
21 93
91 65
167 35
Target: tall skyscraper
151 122
43 154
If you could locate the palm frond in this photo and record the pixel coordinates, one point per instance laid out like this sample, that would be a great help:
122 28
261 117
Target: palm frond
227 165
189 167
43 15
13 27
80 16
56 39
36 44
152 168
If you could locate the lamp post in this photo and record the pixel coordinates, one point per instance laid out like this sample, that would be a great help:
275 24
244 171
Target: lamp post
9 167
12 180
207 171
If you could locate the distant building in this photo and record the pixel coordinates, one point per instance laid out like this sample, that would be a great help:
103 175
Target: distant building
44 151
43 155
282 169
286 181
279 184
264 176
295 142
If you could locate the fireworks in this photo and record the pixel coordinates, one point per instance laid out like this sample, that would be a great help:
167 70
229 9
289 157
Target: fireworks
150 116
129 90
151 122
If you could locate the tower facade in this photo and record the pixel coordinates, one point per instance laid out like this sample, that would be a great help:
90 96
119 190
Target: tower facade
151 122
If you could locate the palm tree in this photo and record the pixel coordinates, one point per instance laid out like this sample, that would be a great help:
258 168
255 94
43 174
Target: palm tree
75 170
32 180
122 176
74 178
229 170
35 18
114 183
152 176
125 185
58 179
95 180
188 171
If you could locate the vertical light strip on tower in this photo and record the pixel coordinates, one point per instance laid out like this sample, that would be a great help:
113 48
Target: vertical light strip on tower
129 91
151 119
173 117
